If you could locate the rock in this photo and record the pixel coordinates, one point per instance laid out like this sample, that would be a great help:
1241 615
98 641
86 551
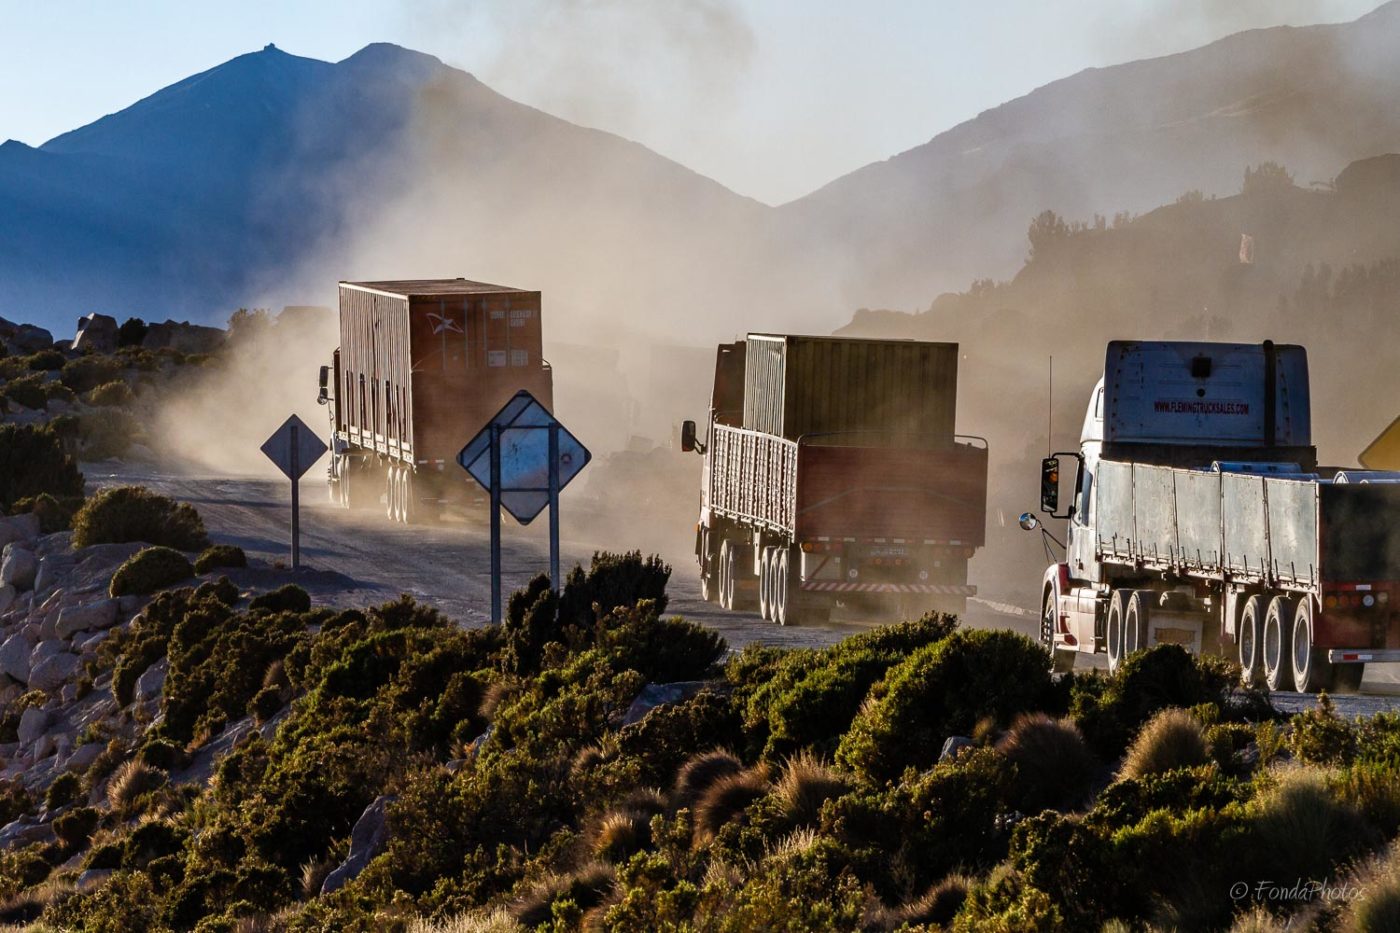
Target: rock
14 655
20 833
92 879
953 746
96 332
131 603
150 684
45 649
654 695
69 694
183 336
51 569
366 840
54 671
8 595
86 618
88 645
25 527
32 723
18 567
83 756
31 338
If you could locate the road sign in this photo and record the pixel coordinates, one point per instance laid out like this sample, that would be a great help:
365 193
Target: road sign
1384 451
524 426
523 457
294 448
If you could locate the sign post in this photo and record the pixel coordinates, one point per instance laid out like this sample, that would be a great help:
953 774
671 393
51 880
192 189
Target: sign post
523 457
294 448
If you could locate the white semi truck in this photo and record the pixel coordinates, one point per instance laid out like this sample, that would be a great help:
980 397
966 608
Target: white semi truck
1200 517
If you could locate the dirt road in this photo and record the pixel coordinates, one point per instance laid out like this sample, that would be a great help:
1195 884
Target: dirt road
357 559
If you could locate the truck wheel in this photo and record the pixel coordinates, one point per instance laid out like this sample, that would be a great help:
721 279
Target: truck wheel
765 584
408 507
1249 636
781 607
743 596
726 576
1346 678
1049 616
1278 631
391 492
709 586
361 485
1135 618
1114 631
1310 667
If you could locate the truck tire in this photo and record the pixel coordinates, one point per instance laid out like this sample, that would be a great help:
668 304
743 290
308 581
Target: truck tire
1249 637
1049 617
742 597
361 485
726 576
765 585
1114 630
1311 670
709 586
391 492
1277 644
1135 618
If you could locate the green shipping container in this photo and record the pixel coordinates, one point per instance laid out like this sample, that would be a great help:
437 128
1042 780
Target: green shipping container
837 390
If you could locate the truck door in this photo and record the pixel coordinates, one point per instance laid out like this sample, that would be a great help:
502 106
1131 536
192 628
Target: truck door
1083 561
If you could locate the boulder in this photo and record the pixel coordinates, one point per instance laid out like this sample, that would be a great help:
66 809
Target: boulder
183 336
54 671
18 567
14 655
31 338
32 724
88 644
150 683
8 594
26 525
654 695
51 570
83 756
86 618
22 833
366 841
953 746
96 332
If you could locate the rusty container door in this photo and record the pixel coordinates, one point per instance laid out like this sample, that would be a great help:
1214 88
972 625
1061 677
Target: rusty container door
892 393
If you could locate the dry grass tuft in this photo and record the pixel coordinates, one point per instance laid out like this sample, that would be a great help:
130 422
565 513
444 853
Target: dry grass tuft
1257 920
1377 907
587 887
936 908
1171 739
726 799
1054 767
805 784
131 781
701 771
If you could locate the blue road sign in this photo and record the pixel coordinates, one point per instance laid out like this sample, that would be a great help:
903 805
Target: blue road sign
523 427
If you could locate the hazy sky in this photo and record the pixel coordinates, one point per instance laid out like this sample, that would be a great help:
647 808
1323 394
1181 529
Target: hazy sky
771 97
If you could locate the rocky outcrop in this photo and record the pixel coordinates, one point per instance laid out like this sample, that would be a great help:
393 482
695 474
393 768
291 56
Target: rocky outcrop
85 618
366 841
183 336
18 567
96 333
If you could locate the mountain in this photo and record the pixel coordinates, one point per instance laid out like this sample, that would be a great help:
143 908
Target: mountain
271 176
1107 140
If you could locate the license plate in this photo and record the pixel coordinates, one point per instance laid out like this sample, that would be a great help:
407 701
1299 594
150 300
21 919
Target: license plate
889 552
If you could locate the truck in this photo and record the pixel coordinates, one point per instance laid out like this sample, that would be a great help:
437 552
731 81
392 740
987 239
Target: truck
421 367
832 475
1200 517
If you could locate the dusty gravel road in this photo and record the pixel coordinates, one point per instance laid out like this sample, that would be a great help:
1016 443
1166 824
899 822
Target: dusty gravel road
355 559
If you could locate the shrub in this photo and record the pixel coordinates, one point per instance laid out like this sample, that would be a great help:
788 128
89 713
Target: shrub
163 754
1322 737
150 569
28 391
286 598
45 361
120 514
1171 739
131 782
726 799
76 827
107 435
583 889
944 689
1054 767
804 785
114 394
221 589
53 515
697 774
1377 907
32 462
620 834
1302 830
63 791
220 555
86 373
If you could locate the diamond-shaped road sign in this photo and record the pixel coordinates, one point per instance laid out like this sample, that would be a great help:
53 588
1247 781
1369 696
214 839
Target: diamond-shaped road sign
1384 452
524 431
294 436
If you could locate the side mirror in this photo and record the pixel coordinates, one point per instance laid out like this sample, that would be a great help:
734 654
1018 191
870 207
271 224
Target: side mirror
688 436
1028 522
1050 485
324 394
